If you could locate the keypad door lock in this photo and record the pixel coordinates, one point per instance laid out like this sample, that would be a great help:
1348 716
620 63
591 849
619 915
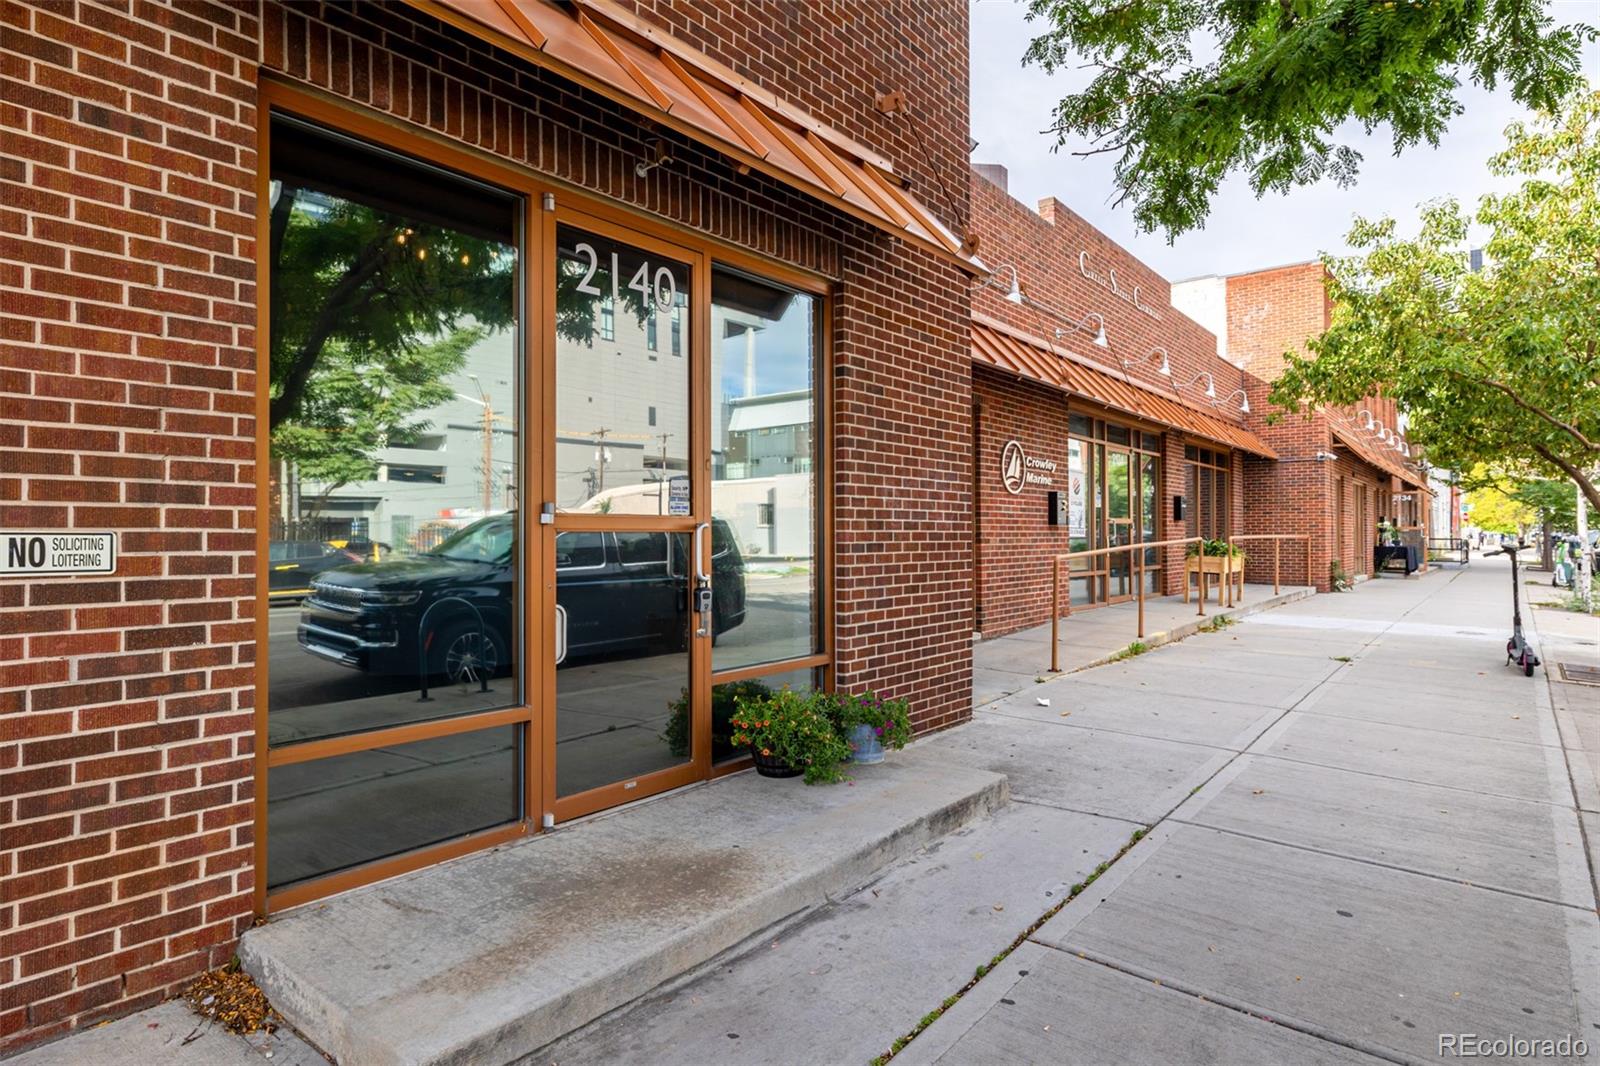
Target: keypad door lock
702 607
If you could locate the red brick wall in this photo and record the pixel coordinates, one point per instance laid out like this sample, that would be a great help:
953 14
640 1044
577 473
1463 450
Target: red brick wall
127 261
127 390
1015 540
1271 312
1044 247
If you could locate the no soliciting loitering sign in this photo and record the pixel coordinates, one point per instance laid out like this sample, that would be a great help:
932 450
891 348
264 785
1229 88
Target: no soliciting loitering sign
56 552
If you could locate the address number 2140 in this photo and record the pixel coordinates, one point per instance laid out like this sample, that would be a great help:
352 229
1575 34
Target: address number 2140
663 287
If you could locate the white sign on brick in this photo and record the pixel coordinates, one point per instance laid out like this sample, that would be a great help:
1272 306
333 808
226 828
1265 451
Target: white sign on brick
56 552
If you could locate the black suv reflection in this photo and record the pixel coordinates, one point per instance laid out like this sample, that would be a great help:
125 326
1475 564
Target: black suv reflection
622 592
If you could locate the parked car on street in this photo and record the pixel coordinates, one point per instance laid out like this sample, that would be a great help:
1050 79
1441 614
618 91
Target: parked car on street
292 564
454 605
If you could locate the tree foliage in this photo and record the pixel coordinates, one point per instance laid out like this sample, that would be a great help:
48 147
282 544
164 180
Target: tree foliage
1188 91
1497 368
358 402
373 283
1494 503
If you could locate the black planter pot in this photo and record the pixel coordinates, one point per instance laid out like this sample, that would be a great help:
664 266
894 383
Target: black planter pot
772 766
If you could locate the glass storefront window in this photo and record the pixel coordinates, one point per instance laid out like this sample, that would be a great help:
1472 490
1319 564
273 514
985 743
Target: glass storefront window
331 814
764 490
622 411
394 440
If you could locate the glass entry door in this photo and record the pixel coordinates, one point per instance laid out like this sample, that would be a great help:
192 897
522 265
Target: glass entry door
1121 525
628 550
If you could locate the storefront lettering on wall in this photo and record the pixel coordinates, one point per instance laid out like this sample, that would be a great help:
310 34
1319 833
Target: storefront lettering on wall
1108 281
1018 469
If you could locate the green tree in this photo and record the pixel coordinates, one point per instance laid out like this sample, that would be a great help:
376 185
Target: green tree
357 402
1188 91
1551 501
1493 504
374 284
1497 368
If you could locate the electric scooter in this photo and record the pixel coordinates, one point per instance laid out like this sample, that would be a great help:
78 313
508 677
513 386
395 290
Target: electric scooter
1518 651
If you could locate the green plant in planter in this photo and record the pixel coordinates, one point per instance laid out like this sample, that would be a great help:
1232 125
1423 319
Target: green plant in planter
890 720
795 728
1216 549
724 701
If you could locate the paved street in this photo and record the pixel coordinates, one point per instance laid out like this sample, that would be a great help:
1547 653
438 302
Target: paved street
1363 838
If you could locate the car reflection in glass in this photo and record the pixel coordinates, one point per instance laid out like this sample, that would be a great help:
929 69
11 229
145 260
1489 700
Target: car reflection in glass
452 608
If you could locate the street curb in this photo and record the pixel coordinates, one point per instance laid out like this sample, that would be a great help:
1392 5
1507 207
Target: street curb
1189 629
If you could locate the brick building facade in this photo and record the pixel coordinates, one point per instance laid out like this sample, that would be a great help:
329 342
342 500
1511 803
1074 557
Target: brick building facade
1073 281
1337 474
133 753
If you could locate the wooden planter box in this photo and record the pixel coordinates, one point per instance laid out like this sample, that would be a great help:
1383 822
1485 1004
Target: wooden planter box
1218 568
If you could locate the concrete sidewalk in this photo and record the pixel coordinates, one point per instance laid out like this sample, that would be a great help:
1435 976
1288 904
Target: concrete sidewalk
1364 838
1008 664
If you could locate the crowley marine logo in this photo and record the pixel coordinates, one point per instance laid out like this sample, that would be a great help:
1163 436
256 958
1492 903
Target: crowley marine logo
1018 469
1012 462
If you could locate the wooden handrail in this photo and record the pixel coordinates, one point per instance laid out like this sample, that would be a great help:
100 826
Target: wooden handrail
1138 549
1086 553
1277 541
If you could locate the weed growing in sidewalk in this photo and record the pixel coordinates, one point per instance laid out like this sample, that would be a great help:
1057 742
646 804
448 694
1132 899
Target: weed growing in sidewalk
932 1016
1341 658
1219 623
1138 647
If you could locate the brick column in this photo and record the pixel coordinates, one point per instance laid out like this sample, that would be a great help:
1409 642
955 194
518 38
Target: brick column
127 390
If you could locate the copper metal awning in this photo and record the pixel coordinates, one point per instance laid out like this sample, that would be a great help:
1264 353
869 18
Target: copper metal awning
613 52
1037 362
1376 455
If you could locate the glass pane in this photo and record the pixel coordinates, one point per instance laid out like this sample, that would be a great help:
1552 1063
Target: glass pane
724 699
1082 591
1117 434
1078 503
1150 504
622 692
622 398
1119 524
394 441
331 814
763 458
1080 425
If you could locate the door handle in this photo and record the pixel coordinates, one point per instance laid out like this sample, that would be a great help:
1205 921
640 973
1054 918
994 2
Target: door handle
700 570
561 634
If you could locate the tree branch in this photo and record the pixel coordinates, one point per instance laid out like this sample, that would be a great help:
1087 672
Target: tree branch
1569 430
1587 487
334 312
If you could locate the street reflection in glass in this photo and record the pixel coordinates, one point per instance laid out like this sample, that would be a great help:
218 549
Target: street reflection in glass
622 378
394 420
622 708
764 448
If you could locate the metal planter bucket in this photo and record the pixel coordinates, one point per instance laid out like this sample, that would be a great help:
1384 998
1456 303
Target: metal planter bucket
866 745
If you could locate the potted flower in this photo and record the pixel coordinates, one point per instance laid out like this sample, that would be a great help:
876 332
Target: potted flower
790 734
724 700
1222 560
870 724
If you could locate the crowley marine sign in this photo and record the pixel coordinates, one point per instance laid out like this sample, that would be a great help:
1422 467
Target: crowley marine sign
56 552
1018 469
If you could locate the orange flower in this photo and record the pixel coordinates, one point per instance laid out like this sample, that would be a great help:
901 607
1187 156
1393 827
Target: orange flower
765 751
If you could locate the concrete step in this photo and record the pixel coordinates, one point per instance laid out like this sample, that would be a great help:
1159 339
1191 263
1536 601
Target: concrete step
490 957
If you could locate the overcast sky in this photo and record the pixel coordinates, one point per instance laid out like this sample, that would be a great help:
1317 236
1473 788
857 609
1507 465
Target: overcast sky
1012 103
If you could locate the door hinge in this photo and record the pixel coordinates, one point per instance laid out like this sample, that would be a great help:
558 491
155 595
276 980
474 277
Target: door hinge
549 201
547 515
